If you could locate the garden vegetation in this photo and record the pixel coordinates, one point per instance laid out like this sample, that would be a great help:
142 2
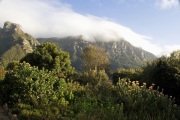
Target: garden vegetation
44 86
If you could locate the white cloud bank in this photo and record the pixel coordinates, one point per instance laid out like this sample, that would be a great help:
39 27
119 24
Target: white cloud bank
167 4
50 18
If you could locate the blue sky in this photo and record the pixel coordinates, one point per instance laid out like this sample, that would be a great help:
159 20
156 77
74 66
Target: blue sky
150 24
143 16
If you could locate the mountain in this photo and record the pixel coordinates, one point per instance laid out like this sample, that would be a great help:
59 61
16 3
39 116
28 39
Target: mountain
14 43
121 53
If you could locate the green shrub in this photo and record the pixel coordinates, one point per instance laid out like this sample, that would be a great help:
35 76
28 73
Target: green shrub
141 103
93 77
40 90
36 94
132 74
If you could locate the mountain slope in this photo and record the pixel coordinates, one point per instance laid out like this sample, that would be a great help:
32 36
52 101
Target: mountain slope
14 43
121 53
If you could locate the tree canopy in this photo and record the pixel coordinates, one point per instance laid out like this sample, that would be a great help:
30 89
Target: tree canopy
48 56
165 73
95 57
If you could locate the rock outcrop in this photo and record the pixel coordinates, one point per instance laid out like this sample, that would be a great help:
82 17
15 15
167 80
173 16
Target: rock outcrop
14 43
11 27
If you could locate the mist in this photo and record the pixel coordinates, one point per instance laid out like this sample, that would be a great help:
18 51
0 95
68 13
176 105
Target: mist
52 18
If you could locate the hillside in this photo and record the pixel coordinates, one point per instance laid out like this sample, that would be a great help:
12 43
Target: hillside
14 43
121 53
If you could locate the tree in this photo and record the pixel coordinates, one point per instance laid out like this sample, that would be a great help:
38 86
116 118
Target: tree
165 73
95 57
31 91
47 56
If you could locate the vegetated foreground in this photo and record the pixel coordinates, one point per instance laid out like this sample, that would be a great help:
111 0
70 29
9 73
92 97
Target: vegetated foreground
44 85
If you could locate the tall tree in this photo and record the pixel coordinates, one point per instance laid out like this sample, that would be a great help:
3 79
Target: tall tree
165 73
48 56
95 57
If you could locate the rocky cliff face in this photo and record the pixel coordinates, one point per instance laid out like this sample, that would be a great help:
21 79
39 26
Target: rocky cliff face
121 53
14 43
11 27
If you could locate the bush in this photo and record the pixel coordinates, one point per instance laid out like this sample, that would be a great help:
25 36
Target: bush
141 103
40 94
33 92
132 74
93 77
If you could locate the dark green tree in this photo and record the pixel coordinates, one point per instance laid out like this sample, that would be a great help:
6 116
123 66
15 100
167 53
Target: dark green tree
48 56
33 93
165 73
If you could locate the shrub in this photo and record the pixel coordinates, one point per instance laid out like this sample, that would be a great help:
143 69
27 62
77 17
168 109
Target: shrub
33 92
93 77
141 103
132 74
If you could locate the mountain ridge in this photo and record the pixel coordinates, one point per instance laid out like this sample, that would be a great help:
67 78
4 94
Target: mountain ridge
14 43
120 52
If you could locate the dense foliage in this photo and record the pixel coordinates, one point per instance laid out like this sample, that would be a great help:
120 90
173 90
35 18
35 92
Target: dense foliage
37 92
94 77
144 104
165 73
95 57
48 56
33 92
132 74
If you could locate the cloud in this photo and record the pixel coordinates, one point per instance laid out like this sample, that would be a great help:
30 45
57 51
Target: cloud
167 4
170 48
52 18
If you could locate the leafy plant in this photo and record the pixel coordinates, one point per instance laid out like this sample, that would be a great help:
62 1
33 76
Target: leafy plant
93 77
132 74
165 73
31 92
95 57
48 56
141 103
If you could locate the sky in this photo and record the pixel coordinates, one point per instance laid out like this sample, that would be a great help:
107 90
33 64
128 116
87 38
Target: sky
152 25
